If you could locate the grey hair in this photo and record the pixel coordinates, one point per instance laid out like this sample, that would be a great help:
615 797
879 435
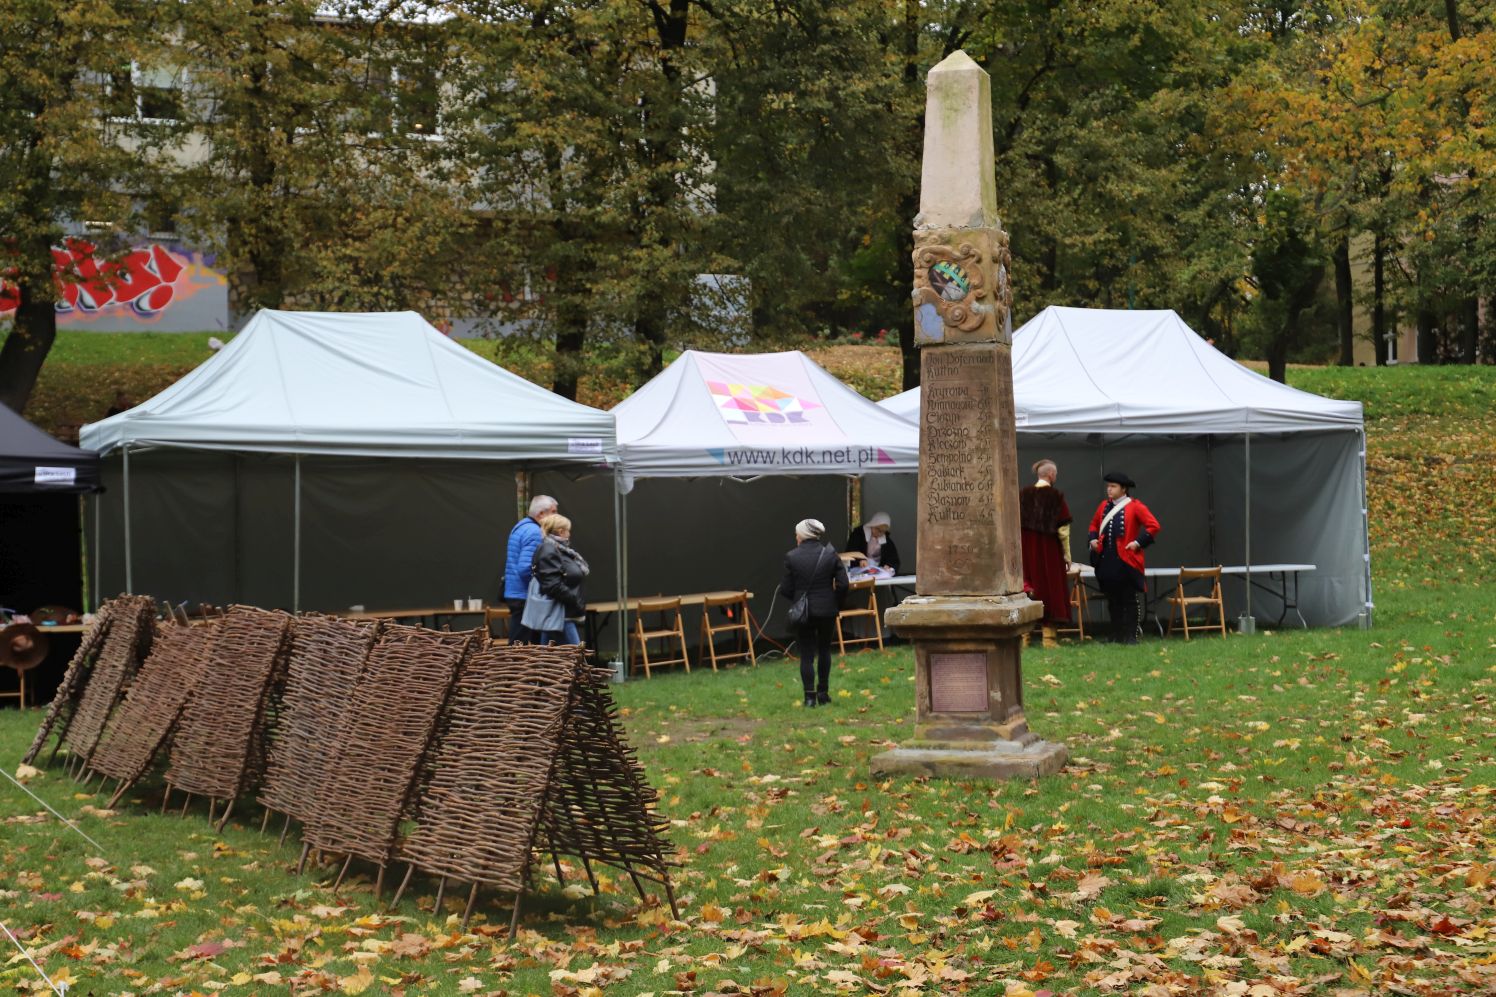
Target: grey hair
1045 464
542 504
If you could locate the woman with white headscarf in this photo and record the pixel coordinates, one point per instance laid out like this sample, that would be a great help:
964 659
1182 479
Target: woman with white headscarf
874 541
814 570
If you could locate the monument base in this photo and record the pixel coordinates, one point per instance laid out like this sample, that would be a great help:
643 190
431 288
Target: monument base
995 760
968 717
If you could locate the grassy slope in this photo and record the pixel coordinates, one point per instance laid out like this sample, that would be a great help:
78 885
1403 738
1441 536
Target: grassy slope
1304 812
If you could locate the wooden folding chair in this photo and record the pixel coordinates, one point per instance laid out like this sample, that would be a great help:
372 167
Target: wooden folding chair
20 693
1080 604
869 611
668 628
1181 602
735 607
499 615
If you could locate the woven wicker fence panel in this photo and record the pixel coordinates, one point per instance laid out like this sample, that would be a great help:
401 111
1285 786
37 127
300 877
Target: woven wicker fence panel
60 711
600 805
127 642
141 724
382 744
476 820
215 744
327 657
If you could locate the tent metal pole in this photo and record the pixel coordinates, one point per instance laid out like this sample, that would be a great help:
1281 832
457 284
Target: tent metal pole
1246 624
1366 612
623 576
1210 508
129 559
98 504
296 543
83 549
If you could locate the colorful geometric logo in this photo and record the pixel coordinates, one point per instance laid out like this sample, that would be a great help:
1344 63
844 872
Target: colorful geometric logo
758 404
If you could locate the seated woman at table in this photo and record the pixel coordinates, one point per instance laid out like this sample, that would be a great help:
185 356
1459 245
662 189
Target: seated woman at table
874 541
555 592
1120 529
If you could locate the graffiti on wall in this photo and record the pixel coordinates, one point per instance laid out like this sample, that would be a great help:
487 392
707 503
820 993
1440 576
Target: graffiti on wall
139 286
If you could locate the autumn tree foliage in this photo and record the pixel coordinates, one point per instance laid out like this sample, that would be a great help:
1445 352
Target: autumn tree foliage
582 171
66 155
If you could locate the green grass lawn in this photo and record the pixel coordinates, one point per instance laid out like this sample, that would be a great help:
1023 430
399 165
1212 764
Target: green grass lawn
1287 813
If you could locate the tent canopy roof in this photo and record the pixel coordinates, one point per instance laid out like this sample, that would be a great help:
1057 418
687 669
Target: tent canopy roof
1100 370
376 384
711 414
32 461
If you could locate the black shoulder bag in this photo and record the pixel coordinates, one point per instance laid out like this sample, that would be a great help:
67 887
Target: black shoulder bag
800 609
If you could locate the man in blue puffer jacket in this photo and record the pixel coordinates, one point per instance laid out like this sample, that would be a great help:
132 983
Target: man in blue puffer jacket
523 540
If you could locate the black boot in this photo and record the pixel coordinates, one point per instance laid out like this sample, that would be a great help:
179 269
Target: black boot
1116 612
823 698
1130 616
810 700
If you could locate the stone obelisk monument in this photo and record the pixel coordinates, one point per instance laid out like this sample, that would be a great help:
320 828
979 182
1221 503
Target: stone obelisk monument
970 612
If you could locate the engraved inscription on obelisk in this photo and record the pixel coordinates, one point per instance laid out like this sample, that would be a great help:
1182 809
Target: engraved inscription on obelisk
968 514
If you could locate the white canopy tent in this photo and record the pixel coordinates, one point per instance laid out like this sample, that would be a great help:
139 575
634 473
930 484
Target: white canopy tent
1213 446
403 433
721 454
722 414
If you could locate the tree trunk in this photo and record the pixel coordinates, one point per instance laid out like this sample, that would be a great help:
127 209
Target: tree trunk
1469 329
26 347
1379 299
1469 308
1277 357
1428 342
1344 302
903 283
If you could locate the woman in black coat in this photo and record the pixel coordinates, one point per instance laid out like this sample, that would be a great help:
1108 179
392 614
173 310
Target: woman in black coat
559 573
815 569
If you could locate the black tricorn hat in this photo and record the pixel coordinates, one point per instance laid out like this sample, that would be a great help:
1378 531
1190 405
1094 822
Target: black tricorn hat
1119 478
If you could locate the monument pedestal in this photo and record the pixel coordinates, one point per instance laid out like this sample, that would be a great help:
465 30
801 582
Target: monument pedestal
968 694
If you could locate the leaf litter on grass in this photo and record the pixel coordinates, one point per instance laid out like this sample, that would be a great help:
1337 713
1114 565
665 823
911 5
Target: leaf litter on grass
1289 813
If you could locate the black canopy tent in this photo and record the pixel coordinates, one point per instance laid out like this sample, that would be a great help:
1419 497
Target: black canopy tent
40 548
33 463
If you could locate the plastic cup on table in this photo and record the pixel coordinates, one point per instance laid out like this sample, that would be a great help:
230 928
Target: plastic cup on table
457 604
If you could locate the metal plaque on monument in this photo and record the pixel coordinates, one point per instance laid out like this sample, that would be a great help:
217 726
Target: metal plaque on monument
969 614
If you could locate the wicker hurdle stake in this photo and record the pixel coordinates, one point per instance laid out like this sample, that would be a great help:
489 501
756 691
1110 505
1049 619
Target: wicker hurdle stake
556 859
306 848
185 804
224 820
395 900
590 877
670 894
467 912
342 872
638 886
165 798
379 883
265 821
284 831
212 806
441 888
514 918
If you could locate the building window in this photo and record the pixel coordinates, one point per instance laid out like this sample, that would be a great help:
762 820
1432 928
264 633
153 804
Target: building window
146 93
